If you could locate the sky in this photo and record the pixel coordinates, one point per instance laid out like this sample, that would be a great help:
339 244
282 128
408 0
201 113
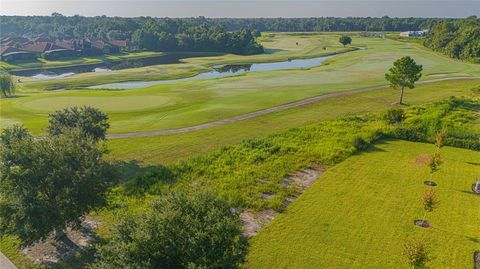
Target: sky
246 8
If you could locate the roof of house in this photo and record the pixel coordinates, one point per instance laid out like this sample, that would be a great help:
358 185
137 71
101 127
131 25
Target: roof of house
118 43
8 49
12 40
40 47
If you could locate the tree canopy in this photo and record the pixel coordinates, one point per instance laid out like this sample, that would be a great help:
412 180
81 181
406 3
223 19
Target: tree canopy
458 39
194 230
59 26
345 40
404 73
91 121
49 183
7 85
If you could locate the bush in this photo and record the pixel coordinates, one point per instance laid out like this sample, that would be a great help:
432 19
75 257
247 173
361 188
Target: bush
360 144
395 116
417 253
182 230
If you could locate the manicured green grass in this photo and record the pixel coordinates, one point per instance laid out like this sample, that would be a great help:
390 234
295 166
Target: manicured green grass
170 148
360 213
43 63
196 102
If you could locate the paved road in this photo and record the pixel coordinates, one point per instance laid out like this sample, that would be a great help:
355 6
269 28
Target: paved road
263 112
5 263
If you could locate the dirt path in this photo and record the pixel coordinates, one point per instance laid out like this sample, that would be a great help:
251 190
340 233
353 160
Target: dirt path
263 111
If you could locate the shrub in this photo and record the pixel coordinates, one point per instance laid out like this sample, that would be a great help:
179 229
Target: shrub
360 144
417 253
395 116
182 230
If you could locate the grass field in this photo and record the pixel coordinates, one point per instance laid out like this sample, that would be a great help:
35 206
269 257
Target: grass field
360 213
196 102
43 63
171 148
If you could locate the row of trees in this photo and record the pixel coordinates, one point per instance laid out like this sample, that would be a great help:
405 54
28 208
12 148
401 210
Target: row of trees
157 37
328 24
459 39
59 26
158 34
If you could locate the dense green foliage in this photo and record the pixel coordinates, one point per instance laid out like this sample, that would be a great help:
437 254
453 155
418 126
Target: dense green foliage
156 34
404 73
91 121
49 183
181 230
7 86
116 27
243 173
345 40
156 37
453 116
328 24
458 39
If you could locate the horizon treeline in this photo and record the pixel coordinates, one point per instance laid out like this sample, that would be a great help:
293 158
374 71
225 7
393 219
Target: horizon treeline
60 26
458 39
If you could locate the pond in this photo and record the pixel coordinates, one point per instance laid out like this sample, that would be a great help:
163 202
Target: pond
221 71
61 72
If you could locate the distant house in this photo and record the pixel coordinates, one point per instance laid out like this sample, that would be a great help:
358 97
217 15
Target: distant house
413 33
9 54
106 46
11 40
81 46
369 34
121 44
40 47
47 48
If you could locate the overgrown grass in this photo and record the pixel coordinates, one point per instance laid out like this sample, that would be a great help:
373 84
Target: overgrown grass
243 172
10 247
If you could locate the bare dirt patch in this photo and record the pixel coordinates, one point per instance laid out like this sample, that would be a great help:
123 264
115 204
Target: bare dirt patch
421 223
303 179
252 222
422 160
51 251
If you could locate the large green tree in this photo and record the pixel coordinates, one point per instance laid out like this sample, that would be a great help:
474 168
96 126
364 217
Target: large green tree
91 121
345 40
49 183
7 85
181 230
404 73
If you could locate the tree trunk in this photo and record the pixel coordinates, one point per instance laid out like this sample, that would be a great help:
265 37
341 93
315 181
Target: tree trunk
401 96
59 234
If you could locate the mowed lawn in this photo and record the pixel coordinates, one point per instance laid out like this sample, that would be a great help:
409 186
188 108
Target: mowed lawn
157 150
196 102
360 213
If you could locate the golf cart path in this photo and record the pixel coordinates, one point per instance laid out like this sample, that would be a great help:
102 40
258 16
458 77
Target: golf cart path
265 111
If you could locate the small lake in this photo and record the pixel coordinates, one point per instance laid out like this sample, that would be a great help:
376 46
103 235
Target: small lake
61 72
221 71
